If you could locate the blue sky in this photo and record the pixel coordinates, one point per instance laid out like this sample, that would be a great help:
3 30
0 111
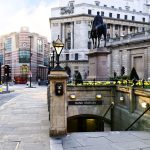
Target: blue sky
32 13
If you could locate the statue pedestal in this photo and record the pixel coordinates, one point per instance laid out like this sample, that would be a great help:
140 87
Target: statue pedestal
98 64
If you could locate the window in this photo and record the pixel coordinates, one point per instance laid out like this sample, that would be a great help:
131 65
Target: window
124 27
69 40
110 15
76 56
105 5
108 26
24 56
127 7
68 45
112 7
8 44
143 19
97 3
125 17
1 59
39 46
133 18
131 29
143 29
71 3
102 13
116 27
118 16
67 56
89 11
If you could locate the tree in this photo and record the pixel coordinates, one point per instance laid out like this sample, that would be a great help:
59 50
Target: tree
78 78
133 74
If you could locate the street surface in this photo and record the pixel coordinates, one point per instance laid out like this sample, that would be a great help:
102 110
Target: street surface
15 91
24 123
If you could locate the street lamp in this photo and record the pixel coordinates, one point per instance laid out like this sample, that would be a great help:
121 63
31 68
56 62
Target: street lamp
52 57
58 45
30 36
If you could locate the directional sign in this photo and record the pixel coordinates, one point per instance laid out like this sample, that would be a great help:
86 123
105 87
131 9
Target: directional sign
84 102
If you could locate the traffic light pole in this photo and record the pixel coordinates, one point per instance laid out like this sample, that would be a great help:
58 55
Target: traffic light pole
0 74
6 75
30 60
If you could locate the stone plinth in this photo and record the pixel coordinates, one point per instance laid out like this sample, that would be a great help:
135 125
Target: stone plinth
58 104
98 64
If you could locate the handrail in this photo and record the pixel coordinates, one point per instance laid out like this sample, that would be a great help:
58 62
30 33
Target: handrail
110 106
137 119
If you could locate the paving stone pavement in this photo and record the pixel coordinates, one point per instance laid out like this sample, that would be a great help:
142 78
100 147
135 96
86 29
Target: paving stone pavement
129 140
24 123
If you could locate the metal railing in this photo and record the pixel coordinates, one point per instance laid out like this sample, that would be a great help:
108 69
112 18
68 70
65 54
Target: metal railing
137 119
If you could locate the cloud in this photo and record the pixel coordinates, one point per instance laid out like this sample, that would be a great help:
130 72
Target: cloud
36 16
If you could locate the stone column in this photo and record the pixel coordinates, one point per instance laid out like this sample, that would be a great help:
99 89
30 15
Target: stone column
58 103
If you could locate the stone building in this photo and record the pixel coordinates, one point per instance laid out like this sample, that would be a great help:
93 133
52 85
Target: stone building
15 52
131 51
72 21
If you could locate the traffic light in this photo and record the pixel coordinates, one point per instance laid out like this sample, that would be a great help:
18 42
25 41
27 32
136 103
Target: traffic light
7 70
122 70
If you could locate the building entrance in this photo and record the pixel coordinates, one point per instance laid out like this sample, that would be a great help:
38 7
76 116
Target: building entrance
85 123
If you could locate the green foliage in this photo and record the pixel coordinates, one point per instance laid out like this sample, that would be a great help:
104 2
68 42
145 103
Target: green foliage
125 77
78 78
133 74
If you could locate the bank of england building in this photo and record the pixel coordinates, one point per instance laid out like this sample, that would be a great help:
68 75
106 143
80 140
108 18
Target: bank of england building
127 34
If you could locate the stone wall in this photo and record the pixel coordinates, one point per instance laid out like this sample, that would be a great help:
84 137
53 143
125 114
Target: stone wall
125 111
130 108
88 93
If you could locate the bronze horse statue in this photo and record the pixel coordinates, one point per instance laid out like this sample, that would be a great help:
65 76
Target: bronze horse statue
96 34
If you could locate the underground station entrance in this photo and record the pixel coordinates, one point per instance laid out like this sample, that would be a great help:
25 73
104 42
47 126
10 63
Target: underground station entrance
85 123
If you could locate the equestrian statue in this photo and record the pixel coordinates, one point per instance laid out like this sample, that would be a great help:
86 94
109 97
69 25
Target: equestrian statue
98 29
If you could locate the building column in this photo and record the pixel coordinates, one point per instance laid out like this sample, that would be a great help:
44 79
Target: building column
113 30
128 61
62 33
72 35
121 30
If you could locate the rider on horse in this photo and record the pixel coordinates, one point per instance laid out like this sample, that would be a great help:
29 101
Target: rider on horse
98 21
98 29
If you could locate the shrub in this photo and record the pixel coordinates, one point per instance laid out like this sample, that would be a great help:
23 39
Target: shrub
133 74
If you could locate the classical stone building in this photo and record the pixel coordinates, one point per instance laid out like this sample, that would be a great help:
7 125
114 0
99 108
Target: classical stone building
72 21
15 52
131 51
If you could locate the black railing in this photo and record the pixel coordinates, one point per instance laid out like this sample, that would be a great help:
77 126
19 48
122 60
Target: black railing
109 108
137 118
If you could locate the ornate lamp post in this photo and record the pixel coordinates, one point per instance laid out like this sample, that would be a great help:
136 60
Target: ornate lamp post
30 36
58 45
52 57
